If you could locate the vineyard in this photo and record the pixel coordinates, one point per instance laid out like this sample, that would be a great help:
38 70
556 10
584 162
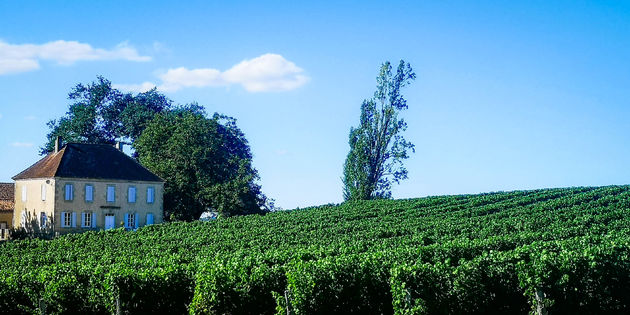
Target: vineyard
552 251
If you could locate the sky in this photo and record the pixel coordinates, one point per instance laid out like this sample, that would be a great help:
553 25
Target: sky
508 95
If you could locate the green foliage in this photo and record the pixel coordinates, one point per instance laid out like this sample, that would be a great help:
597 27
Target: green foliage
101 114
377 148
557 250
348 284
238 285
206 164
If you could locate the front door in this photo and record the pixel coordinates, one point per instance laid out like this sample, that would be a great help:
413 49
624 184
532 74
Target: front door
110 223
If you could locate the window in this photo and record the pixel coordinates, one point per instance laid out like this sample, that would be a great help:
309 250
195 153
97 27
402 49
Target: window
23 193
131 221
69 192
68 219
89 193
43 192
111 193
87 220
42 220
150 195
149 218
131 194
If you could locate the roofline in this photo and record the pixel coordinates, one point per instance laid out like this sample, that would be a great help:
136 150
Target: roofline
103 179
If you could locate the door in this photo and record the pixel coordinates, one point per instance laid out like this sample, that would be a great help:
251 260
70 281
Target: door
110 223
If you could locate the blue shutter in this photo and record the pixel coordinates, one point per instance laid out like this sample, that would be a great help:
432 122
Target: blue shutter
136 220
93 219
126 220
74 219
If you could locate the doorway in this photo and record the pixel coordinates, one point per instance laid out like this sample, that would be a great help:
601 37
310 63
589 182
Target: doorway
110 222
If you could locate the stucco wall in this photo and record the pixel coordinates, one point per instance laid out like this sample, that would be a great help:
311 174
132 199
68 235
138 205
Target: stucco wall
34 205
7 217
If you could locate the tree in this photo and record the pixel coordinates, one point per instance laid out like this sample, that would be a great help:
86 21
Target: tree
377 148
100 113
206 163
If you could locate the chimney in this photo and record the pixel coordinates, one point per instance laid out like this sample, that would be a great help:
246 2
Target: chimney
119 145
57 144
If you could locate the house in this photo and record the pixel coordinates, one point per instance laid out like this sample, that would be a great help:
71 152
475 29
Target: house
6 208
81 187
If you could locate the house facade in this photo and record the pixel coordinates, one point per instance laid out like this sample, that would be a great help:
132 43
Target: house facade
6 208
82 187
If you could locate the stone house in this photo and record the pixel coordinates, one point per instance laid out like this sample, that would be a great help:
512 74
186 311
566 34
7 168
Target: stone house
81 187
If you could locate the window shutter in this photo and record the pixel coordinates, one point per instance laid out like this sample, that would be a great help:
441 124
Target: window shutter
74 219
150 194
126 220
43 192
89 193
131 194
93 219
23 193
149 218
136 220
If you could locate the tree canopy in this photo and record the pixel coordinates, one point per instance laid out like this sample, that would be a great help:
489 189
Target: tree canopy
206 162
377 147
100 113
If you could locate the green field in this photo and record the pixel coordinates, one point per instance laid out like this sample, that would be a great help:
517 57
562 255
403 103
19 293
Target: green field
554 250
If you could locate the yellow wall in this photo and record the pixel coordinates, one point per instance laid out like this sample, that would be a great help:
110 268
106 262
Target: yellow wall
55 202
7 217
34 205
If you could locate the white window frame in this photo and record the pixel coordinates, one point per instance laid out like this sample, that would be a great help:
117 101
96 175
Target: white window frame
23 192
87 219
150 194
91 193
131 192
69 192
68 219
130 220
43 192
111 188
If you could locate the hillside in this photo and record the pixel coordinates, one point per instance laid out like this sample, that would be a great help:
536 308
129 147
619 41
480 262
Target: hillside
561 250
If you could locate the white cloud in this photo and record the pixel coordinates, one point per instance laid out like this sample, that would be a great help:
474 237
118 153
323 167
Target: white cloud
22 144
26 57
175 79
135 88
0 116
269 72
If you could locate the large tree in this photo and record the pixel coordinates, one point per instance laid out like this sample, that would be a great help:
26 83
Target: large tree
99 113
377 147
206 162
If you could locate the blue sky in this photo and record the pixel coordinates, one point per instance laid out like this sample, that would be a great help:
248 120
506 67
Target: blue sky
508 95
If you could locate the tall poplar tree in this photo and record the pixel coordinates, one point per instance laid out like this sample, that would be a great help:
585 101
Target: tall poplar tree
377 147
